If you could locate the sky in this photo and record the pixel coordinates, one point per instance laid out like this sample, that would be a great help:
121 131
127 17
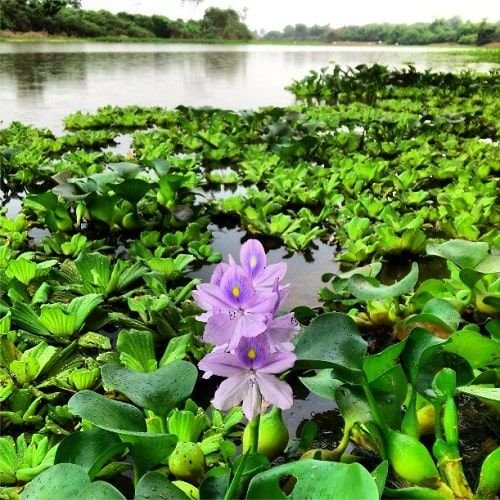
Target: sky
276 14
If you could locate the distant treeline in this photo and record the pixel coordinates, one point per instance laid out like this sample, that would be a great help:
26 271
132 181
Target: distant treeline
452 30
65 17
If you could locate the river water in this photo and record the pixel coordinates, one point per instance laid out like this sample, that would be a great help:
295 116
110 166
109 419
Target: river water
40 83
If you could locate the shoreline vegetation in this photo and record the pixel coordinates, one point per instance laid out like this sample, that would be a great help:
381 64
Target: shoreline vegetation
489 53
65 19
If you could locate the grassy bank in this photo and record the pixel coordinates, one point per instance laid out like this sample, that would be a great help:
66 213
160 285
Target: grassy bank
484 54
30 37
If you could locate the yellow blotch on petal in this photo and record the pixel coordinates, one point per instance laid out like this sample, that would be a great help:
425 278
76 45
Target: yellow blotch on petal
251 353
236 291
253 261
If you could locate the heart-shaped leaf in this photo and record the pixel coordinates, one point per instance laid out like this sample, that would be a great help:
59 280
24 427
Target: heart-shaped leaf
71 482
332 340
368 289
159 391
154 485
315 479
91 450
466 254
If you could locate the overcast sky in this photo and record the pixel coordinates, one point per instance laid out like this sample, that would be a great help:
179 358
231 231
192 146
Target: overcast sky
276 14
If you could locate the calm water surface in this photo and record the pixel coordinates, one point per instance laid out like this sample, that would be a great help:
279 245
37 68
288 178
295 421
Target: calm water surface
40 83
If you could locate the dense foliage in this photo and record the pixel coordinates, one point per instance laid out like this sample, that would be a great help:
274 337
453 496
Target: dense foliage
102 322
63 17
452 30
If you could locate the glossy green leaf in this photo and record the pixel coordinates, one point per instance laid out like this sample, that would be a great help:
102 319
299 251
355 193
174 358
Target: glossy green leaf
315 479
377 364
147 449
106 413
369 289
159 391
71 482
332 340
323 384
91 449
466 254
155 486
137 350
477 349
489 478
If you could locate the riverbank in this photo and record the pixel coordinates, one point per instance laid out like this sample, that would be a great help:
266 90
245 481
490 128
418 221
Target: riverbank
35 36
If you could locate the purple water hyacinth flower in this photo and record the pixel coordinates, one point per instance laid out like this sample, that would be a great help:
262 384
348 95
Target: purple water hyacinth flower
233 308
250 372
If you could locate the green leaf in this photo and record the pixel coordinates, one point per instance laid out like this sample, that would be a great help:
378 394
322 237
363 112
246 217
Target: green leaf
24 317
71 482
353 405
477 349
490 265
489 478
8 461
177 348
56 319
465 254
332 340
413 493
215 484
133 190
106 413
377 364
417 344
368 289
125 169
171 268
91 450
435 360
482 392
154 485
137 350
147 449
159 391
315 479
323 384
438 316
380 475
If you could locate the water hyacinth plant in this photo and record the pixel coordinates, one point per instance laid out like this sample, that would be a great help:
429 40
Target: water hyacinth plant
252 345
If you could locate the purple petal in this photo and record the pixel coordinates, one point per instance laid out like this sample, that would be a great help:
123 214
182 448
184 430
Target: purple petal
219 329
211 297
236 286
275 391
222 364
252 401
278 362
253 257
261 303
282 329
246 325
270 274
253 352
231 392
218 272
